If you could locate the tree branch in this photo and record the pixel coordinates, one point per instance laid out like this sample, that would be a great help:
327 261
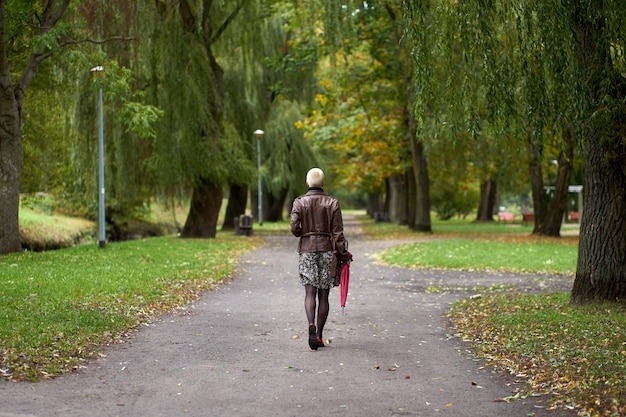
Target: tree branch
96 42
225 24
50 17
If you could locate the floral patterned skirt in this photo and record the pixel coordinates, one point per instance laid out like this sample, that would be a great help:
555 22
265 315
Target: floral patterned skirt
314 269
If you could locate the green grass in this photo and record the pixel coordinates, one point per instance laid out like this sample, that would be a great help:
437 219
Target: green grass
41 231
453 227
272 228
59 307
485 254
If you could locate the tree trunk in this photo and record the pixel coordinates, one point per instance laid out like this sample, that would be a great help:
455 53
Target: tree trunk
206 201
11 99
11 151
488 194
237 200
601 268
398 194
558 204
540 206
420 166
207 196
374 204
411 202
10 167
386 198
422 190
273 210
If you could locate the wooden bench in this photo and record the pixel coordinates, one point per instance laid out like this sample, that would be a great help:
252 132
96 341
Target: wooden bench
528 217
243 225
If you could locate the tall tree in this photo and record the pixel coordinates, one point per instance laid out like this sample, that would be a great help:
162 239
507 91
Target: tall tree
363 112
579 63
32 25
599 33
194 147
290 56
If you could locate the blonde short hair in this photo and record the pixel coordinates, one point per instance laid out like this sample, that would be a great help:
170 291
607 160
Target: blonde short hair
315 177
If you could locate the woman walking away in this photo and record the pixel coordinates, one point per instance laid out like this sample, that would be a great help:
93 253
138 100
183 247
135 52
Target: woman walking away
316 220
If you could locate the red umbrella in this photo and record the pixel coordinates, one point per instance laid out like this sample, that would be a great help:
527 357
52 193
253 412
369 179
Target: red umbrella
343 284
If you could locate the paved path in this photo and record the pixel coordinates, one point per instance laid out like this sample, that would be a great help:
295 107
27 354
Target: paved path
242 351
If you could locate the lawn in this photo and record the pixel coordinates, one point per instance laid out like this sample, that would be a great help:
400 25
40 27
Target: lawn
59 307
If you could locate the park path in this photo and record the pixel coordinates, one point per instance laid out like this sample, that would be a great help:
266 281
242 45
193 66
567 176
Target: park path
242 350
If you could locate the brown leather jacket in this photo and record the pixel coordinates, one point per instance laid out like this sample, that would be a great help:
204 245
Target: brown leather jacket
316 220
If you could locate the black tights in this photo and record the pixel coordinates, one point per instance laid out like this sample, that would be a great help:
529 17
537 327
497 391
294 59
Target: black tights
310 303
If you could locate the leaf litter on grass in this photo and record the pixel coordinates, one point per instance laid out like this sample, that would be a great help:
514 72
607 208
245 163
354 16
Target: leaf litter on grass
574 354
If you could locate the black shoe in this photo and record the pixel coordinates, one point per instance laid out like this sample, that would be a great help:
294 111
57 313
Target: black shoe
313 337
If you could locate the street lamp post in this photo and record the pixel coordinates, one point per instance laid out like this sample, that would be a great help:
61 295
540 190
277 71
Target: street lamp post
259 134
101 230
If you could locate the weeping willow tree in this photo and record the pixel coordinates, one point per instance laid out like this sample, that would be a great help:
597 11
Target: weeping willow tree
30 33
245 108
218 71
269 65
34 33
570 80
292 53
289 157
571 84
456 90
507 84
549 101
129 123
194 147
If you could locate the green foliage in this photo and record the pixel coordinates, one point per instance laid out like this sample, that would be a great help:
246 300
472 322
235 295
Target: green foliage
190 140
454 198
59 307
358 120
140 118
129 126
290 51
178 154
267 80
287 155
487 76
46 159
